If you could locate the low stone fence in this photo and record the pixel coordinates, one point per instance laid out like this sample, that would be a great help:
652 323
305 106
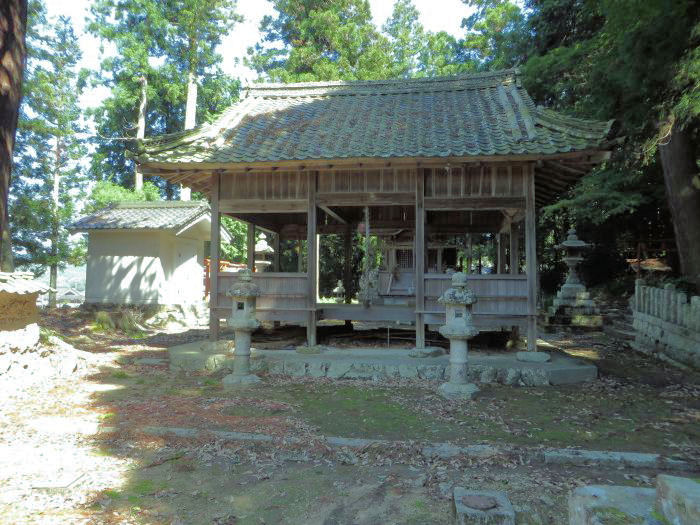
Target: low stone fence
667 323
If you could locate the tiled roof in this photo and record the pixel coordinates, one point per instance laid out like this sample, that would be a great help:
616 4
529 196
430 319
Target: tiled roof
156 215
21 283
471 115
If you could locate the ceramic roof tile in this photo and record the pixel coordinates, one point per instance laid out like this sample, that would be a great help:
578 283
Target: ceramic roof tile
468 115
157 215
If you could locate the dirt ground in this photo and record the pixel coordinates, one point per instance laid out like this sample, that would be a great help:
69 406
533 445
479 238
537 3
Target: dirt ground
57 467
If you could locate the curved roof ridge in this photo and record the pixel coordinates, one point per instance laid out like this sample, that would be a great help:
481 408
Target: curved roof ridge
340 87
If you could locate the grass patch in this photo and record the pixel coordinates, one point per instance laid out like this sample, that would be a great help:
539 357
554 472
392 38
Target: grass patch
119 374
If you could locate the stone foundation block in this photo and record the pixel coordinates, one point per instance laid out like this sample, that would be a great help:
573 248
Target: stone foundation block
678 499
483 507
599 505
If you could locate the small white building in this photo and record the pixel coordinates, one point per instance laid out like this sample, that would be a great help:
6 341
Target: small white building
147 252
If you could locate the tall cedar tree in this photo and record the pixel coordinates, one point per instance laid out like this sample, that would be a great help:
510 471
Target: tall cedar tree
636 61
162 42
48 178
13 53
320 40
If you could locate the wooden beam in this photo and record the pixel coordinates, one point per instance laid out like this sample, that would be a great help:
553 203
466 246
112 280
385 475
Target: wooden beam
312 259
262 206
419 257
333 214
474 203
214 259
531 262
364 199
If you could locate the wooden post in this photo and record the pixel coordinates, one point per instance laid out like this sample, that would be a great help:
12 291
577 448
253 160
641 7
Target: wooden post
347 269
514 249
276 256
251 247
469 253
531 261
501 254
439 260
214 259
300 249
419 258
312 260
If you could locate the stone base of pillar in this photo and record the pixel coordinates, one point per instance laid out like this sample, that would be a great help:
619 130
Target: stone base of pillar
458 392
533 357
234 380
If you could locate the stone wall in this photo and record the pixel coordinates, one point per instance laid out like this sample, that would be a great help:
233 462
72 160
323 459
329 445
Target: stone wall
667 323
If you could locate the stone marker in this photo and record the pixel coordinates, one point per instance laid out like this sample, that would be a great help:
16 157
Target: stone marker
243 321
483 507
678 499
458 328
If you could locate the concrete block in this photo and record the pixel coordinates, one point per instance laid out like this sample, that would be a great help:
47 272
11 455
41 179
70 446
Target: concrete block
602 505
483 507
678 499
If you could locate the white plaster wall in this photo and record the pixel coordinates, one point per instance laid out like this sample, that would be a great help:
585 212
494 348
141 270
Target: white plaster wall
124 267
144 267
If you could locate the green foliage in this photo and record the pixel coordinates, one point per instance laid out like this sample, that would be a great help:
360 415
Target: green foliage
162 41
48 178
237 250
320 40
497 35
106 192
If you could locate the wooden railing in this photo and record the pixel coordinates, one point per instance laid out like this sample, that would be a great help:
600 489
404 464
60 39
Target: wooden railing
282 295
501 298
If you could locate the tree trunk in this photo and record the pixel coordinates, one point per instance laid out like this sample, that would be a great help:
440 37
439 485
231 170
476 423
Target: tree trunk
141 130
13 55
679 168
55 225
190 121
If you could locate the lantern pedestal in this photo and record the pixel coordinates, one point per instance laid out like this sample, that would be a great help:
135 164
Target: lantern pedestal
243 321
459 328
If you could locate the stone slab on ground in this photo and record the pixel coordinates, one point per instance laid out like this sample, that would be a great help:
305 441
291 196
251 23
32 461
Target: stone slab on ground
678 499
201 355
606 458
600 505
379 363
482 507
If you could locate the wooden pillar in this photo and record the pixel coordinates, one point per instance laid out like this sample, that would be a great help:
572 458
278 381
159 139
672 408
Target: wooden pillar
276 256
347 264
250 242
514 249
513 265
419 258
214 259
439 260
531 260
300 249
501 254
469 254
312 260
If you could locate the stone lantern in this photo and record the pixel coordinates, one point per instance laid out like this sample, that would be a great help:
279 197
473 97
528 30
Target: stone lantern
459 328
243 293
573 305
